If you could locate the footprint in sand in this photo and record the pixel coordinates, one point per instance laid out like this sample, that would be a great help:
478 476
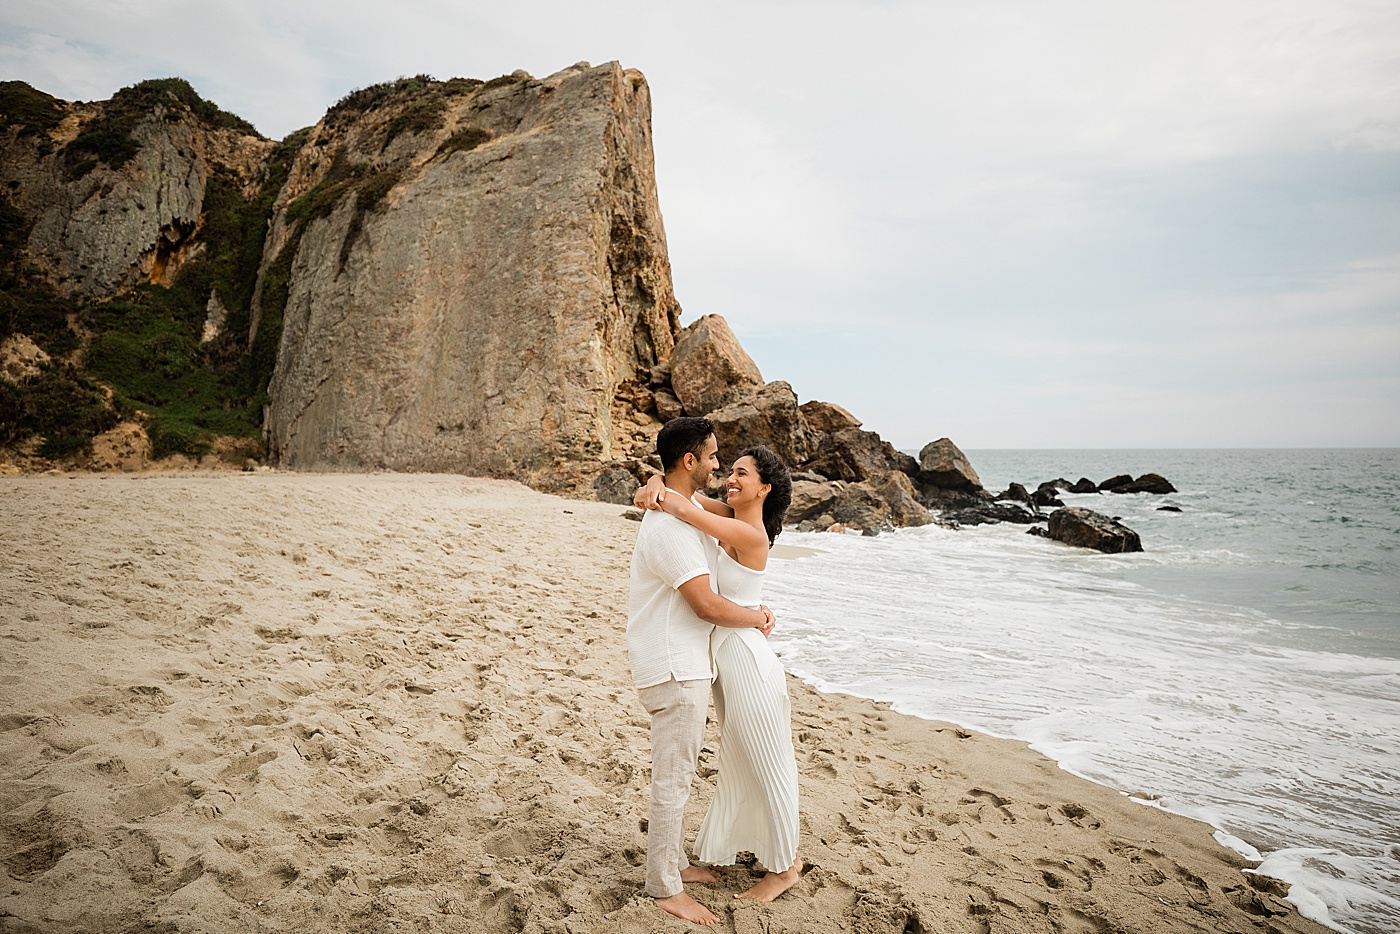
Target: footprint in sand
980 803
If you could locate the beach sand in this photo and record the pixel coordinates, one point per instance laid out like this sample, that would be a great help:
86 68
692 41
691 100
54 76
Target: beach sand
285 702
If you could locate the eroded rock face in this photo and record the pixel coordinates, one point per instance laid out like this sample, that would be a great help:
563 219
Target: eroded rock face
470 306
709 369
100 230
810 499
1075 525
899 495
943 466
768 416
855 454
827 417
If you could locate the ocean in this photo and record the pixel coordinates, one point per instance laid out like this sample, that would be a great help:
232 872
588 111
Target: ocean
1244 670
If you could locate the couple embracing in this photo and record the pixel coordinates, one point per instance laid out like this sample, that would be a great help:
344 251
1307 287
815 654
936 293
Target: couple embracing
694 617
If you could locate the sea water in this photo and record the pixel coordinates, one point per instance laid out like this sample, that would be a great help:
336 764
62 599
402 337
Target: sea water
1243 670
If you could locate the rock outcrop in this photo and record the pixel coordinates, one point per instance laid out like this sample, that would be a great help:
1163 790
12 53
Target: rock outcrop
468 294
856 455
769 416
827 417
709 369
944 467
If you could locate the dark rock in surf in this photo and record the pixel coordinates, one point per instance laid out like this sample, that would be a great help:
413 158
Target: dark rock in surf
988 513
1083 485
942 466
1169 509
1015 493
1084 528
1147 483
1113 483
1045 494
938 500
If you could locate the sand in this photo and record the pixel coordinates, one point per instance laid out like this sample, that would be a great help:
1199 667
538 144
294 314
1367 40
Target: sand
282 702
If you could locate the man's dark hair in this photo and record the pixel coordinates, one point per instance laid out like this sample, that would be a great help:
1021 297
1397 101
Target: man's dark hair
682 436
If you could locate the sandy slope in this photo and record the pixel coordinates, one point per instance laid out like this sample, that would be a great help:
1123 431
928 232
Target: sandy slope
272 702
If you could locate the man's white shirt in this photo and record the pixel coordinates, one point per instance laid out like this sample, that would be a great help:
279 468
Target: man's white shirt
665 639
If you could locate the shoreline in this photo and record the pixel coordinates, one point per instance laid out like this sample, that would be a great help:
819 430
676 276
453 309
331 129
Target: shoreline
344 702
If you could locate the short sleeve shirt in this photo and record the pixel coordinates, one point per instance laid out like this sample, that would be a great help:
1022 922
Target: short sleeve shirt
665 639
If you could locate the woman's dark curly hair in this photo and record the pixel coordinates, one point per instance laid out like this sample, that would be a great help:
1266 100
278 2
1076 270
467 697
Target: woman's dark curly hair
772 471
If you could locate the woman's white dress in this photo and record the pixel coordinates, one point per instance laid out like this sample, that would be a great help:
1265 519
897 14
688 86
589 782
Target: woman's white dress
755 802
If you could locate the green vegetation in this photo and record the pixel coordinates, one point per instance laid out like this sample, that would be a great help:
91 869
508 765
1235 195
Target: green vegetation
59 403
28 108
28 306
464 141
503 81
418 117
144 346
367 198
375 96
108 138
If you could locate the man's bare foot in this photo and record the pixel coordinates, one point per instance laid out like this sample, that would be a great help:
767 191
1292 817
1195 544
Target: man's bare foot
687 909
698 874
774 883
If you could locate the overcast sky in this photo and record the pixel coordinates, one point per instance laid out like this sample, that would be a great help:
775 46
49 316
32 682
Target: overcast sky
1016 224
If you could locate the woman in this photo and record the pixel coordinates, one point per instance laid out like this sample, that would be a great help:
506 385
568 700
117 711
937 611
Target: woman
755 802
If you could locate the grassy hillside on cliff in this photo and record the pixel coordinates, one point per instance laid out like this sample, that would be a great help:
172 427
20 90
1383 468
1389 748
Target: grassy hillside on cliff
139 354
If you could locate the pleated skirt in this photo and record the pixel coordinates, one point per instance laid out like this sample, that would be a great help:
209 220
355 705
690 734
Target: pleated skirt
755 804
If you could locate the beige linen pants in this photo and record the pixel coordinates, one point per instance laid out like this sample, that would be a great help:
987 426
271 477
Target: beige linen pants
677 711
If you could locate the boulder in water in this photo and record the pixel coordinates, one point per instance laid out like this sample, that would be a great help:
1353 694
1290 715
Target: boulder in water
944 467
1147 483
1075 525
1015 493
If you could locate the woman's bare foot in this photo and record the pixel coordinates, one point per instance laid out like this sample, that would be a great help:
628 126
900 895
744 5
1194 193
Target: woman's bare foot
774 883
687 909
698 874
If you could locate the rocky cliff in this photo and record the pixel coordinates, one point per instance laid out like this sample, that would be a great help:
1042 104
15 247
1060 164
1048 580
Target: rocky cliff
113 193
452 275
468 293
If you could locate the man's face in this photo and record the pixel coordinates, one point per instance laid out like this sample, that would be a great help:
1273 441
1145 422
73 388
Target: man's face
706 464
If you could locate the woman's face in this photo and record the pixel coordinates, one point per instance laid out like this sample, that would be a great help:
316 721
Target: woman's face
744 483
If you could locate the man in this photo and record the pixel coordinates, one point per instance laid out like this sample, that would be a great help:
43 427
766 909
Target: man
672 610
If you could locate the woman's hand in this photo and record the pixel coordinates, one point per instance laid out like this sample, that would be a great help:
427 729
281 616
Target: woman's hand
678 506
650 494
